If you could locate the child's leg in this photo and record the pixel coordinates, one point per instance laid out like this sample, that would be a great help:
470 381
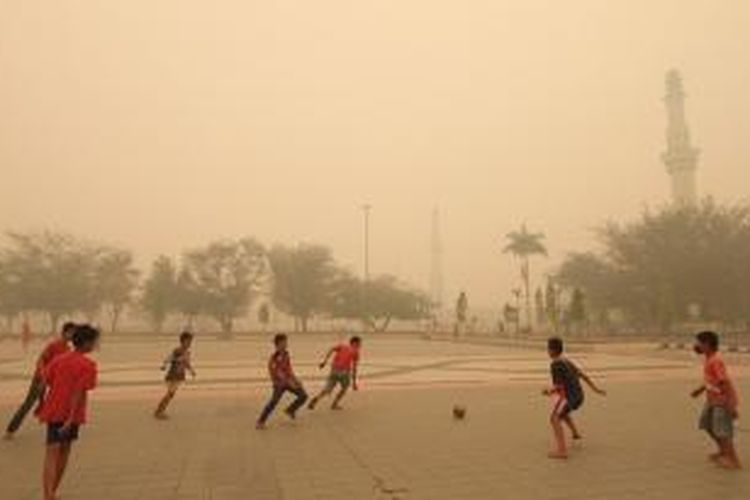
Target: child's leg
271 405
729 456
323 393
49 471
715 439
164 403
557 430
301 395
568 420
62 463
35 392
339 396
559 411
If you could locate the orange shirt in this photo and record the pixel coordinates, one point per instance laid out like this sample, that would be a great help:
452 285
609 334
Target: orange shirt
719 388
345 358
65 375
50 352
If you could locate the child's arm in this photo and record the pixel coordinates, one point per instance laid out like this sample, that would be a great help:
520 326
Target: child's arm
355 386
189 365
167 361
553 389
591 383
697 392
40 362
328 356
75 400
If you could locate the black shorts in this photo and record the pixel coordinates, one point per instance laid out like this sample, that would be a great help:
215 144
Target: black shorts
56 435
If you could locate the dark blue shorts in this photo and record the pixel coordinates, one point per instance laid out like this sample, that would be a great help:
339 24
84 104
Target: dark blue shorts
56 435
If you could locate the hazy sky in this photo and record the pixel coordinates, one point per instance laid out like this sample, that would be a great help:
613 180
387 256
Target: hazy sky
162 125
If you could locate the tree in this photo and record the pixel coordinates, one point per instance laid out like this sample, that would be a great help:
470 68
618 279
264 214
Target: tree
264 315
50 273
188 298
115 280
541 317
226 276
595 278
159 298
577 308
302 281
386 300
10 300
523 245
551 308
659 267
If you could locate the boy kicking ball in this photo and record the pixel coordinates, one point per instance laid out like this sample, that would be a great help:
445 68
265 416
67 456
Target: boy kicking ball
567 395
343 371
720 410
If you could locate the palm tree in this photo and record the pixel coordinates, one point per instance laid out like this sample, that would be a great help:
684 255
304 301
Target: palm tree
523 245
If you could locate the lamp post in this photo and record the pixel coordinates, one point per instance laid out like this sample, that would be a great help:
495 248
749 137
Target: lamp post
366 208
366 213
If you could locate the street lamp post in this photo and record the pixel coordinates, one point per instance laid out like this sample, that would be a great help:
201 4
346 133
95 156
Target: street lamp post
366 265
366 212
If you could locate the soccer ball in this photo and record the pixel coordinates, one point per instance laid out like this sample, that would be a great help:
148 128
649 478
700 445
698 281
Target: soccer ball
459 412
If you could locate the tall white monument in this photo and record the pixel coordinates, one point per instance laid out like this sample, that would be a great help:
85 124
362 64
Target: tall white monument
680 158
436 262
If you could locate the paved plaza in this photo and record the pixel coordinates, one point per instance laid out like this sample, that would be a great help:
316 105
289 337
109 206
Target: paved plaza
396 439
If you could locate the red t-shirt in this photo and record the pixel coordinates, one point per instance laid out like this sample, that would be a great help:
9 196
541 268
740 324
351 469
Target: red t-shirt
66 374
345 358
714 374
280 367
50 352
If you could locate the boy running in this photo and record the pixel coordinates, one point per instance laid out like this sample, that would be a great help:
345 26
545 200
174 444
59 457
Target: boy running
720 410
283 379
36 389
343 371
567 395
69 378
177 365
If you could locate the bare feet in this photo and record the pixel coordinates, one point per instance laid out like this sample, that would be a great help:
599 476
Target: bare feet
260 426
160 416
336 407
8 436
728 463
558 455
577 437
312 403
713 457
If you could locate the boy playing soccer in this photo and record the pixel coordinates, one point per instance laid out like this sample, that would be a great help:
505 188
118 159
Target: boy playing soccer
567 393
343 371
69 378
283 379
718 415
176 364
35 393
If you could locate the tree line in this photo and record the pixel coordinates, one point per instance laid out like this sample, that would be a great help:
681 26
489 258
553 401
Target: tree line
670 266
59 275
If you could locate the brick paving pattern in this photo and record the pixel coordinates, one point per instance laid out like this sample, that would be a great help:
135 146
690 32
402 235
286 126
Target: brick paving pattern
396 439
